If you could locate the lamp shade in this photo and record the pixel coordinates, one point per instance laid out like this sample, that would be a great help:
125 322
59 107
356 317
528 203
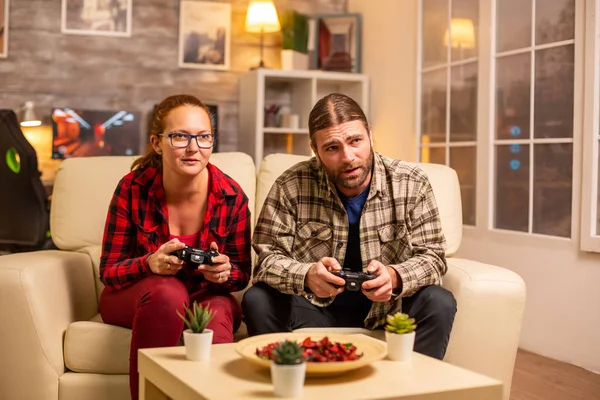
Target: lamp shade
27 115
462 34
262 16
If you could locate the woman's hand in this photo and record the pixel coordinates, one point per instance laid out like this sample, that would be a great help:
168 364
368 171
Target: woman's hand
219 271
162 262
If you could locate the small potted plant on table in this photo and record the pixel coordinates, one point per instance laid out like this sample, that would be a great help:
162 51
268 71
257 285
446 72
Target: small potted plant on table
288 369
197 338
400 336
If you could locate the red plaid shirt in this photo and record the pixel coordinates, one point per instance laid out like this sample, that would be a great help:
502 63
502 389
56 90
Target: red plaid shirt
137 225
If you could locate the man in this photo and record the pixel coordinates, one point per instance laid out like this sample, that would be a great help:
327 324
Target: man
349 206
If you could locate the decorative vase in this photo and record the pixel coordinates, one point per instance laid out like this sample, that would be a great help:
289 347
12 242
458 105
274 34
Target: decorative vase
295 32
197 345
288 380
293 60
400 346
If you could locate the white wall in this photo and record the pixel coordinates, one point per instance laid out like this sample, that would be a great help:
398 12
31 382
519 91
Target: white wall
562 312
389 57
562 315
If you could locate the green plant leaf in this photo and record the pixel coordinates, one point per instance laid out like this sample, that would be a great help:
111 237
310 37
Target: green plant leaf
196 317
400 323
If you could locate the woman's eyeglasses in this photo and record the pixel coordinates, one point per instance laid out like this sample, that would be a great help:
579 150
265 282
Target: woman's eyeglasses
181 140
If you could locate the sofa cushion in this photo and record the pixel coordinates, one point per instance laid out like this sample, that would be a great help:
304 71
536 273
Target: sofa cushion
270 168
82 191
74 386
446 189
94 253
84 186
241 168
95 347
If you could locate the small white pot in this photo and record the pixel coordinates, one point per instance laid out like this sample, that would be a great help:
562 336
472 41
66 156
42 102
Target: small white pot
293 60
288 380
197 345
400 346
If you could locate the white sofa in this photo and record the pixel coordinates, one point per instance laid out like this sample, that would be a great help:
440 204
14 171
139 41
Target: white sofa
53 344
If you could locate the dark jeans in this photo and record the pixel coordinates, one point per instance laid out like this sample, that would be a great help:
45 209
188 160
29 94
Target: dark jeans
266 310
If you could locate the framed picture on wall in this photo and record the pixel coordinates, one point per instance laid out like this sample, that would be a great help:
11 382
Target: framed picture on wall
96 17
204 35
337 42
3 28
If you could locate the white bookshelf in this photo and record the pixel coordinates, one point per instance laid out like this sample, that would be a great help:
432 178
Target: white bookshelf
296 90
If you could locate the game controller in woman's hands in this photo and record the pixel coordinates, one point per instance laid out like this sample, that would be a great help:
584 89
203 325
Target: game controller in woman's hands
354 280
195 257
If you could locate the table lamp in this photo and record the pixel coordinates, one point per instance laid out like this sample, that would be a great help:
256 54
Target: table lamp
27 116
461 34
262 17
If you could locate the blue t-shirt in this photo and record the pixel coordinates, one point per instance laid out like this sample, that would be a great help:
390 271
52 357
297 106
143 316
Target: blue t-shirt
353 260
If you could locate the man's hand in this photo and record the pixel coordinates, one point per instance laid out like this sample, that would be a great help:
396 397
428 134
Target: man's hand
378 289
320 280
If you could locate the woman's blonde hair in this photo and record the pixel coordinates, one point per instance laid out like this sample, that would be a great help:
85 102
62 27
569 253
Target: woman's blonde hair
152 158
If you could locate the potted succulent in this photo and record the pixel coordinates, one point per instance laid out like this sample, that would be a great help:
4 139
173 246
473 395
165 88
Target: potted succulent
197 338
400 336
288 369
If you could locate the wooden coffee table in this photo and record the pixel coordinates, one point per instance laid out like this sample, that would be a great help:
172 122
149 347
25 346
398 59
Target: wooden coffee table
166 372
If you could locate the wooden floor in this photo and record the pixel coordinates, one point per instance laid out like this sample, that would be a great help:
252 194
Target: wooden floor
541 378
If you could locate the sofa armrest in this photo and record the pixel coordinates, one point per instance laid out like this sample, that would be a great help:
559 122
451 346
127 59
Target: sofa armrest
487 327
41 293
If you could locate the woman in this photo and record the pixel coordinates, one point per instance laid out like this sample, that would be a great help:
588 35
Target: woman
174 197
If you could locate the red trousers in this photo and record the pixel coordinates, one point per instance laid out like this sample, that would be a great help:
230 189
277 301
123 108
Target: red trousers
148 308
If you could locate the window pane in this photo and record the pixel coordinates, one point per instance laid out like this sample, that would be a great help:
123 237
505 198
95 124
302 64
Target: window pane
513 78
555 21
514 24
433 105
554 88
434 155
463 160
463 102
464 29
435 23
512 187
552 188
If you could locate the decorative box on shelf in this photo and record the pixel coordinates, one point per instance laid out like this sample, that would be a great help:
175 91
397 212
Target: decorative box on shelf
292 94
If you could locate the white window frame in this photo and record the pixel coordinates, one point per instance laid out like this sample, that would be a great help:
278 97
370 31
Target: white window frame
531 141
486 133
590 240
448 65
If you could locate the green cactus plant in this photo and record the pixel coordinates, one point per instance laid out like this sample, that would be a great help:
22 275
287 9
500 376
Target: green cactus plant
400 323
288 353
196 318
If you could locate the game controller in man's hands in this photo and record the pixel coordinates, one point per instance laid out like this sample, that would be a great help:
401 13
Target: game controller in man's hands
195 257
354 280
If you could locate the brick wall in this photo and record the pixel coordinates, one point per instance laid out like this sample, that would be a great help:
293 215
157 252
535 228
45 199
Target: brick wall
97 72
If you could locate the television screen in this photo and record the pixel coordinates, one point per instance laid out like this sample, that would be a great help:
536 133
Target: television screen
84 133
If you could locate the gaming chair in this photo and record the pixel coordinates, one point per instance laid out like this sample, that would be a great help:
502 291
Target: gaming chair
24 206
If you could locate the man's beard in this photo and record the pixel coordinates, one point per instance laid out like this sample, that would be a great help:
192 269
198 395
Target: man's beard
351 182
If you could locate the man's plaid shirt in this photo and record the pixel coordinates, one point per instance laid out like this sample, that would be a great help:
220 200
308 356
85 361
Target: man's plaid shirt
303 220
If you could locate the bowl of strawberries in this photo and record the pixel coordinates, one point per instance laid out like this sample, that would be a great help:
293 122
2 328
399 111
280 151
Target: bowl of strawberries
325 354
